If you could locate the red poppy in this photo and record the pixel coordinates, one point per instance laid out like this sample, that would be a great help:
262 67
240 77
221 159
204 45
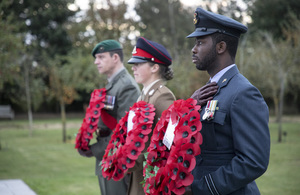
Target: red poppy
95 113
183 160
118 172
135 144
175 189
144 127
183 132
130 162
152 156
139 134
155 134
173 170
185 178
123 161
164 187
145 107
88 115
191 149
158 145
148 114
196 139
98 95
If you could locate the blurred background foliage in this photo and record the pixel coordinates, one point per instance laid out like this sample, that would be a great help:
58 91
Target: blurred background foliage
45 48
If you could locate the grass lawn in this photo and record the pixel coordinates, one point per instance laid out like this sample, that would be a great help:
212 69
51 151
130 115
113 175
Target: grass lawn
283 174
49 166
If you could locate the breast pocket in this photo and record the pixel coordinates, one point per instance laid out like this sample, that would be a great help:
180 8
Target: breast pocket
209 130
219 117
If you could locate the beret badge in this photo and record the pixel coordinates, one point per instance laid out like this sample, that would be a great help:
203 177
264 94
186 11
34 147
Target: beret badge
195 18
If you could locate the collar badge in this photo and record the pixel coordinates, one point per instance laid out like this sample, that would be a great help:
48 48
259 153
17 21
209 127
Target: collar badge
134 50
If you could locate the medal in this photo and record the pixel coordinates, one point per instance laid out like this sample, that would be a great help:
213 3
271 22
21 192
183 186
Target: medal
210 110
109 102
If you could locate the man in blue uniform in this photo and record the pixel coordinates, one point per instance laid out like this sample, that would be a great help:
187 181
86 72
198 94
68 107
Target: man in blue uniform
236 140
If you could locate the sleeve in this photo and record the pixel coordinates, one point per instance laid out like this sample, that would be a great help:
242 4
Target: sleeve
251 139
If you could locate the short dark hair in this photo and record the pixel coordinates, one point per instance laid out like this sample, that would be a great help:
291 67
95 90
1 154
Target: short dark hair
119 52
231 42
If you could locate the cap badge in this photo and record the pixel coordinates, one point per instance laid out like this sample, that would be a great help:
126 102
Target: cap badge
195 18
134 50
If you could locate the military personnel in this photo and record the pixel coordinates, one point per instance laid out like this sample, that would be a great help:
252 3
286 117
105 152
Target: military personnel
108 56
151 68
236 140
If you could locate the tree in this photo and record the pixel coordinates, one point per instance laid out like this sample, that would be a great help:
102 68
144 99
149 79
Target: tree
10 45
41 28
15 72
274 16
167 23
77 74
105 19
279 20
274 63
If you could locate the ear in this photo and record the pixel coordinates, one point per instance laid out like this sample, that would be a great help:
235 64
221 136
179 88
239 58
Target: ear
221 47
115 57
155 68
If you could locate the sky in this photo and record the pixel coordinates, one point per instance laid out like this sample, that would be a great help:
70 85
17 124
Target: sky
84 3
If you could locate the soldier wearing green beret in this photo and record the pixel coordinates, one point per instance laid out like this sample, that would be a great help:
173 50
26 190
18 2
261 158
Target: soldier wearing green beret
122 87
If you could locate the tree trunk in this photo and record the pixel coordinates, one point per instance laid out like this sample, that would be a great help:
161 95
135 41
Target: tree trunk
63 119
28 98
276 107
280 109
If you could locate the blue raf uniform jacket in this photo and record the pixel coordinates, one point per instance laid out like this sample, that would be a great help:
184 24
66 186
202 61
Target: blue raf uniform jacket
236 142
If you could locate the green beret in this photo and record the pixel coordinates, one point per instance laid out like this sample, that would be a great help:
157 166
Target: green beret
106 46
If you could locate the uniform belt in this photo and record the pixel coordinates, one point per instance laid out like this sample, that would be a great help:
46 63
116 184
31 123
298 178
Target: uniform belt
103 132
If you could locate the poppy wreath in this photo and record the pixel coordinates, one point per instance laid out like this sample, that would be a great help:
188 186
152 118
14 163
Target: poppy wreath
90 121
169 171
125 147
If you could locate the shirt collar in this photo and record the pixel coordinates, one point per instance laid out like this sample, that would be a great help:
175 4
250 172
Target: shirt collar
217 77
115 74
146 89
